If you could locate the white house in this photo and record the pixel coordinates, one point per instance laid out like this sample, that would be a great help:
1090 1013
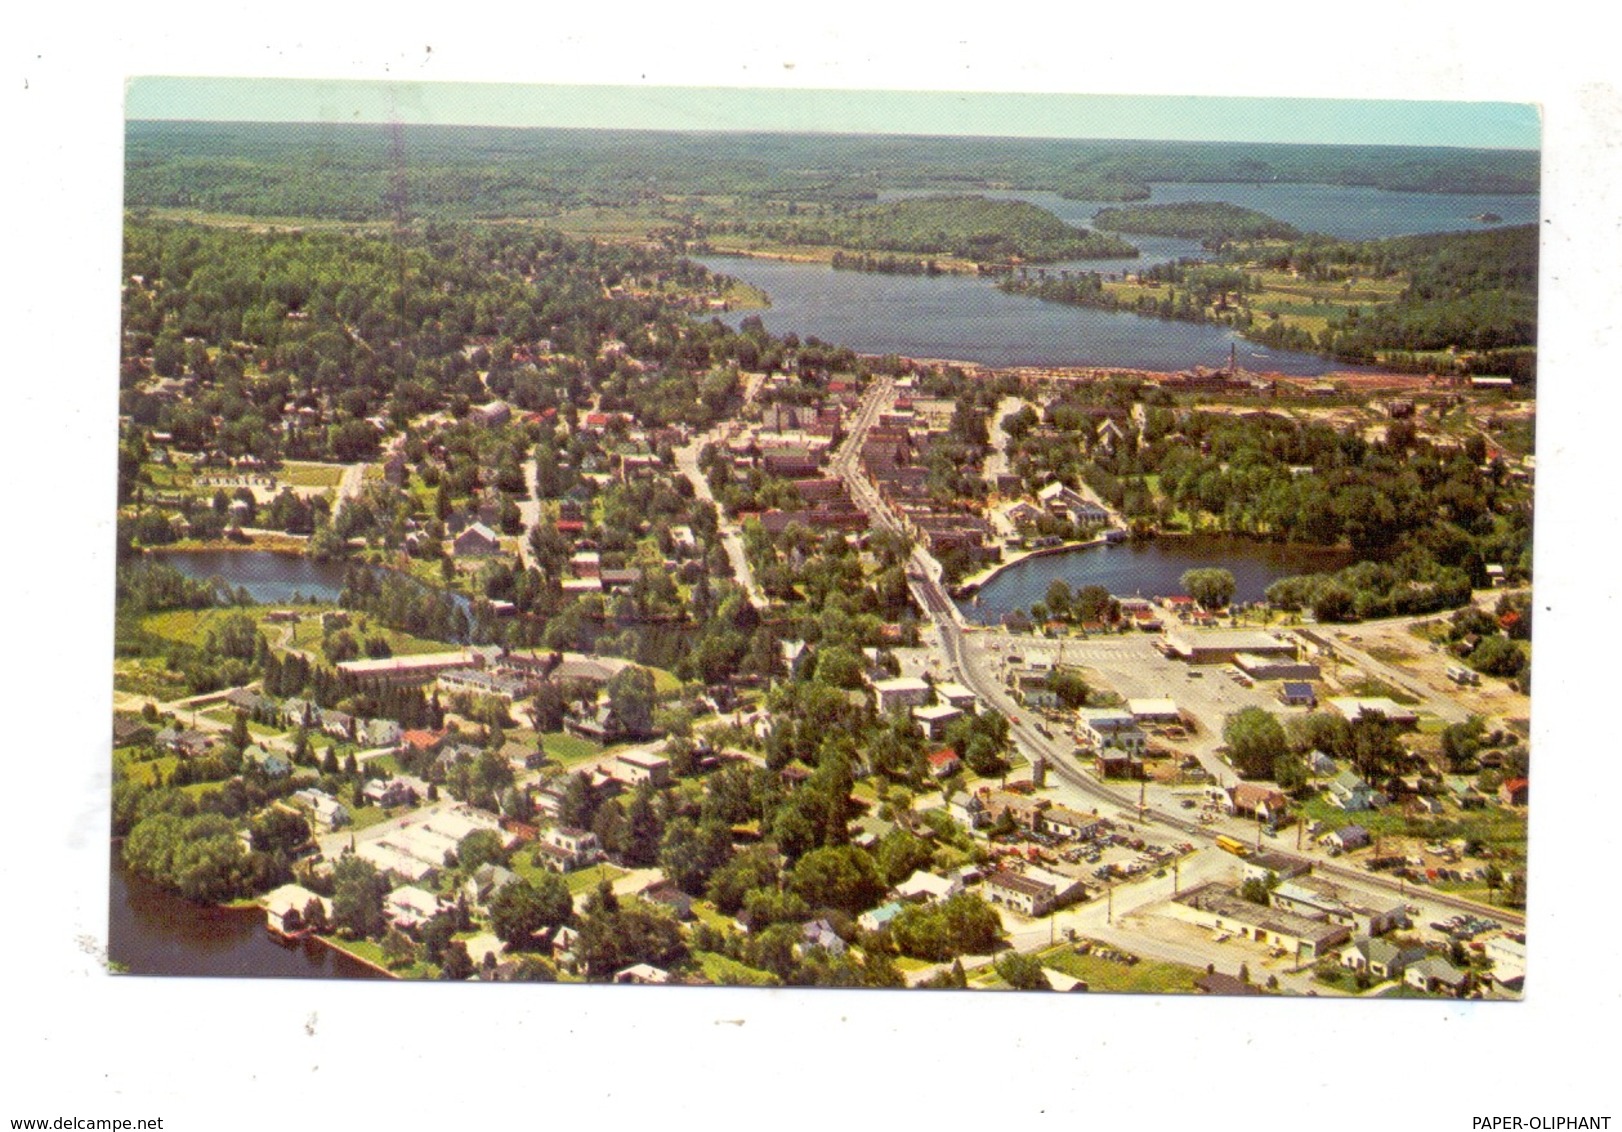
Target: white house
410 906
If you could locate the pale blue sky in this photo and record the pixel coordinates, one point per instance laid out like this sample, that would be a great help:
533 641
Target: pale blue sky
1483 124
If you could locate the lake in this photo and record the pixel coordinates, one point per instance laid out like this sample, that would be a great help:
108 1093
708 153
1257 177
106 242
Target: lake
967 318
151 931
268 576
1148 569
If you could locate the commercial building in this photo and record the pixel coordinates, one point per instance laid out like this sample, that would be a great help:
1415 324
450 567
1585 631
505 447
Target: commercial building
900 692
1223 646
1212 906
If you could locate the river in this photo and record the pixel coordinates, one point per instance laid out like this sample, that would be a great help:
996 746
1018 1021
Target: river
1149 569
151 931
966 317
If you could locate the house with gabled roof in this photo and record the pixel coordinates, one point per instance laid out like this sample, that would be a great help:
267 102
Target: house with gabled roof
968 810
1346 838
327 811
1348 791
477 541
487 880
1254 800
1436 975
1379 957
820 935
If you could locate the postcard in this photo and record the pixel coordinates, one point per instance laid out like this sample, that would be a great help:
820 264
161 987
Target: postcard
825 539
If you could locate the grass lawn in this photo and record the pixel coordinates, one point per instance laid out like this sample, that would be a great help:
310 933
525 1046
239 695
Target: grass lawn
146 772
148 676
568 749
372 952
189 626
583 880
908 963
1492 825
708 913
587 879
308 634
1143 977
727 972
300 473
1372 687
366 817
1403 990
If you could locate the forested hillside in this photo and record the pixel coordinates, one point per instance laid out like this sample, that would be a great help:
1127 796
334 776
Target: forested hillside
345 171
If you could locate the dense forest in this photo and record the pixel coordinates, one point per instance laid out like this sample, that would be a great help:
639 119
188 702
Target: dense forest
346 171
1210 221
968 227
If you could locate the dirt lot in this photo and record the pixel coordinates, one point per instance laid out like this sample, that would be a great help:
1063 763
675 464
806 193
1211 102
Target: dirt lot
1393 644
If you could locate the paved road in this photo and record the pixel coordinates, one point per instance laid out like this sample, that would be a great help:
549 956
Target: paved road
731 533
351 482
529 510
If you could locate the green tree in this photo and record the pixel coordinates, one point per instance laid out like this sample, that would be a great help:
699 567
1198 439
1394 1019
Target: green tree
632 694
1375 750
838 876
456 964
1059 598
521 910
692 851
754 868
357 897
901 853
481 847
398 950
1022 972
1255 740
1498 656
1212 587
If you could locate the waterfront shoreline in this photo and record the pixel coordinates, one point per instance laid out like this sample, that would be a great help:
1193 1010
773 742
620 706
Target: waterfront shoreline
990 574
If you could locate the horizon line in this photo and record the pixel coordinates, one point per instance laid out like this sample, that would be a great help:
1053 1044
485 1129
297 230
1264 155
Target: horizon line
1212 118
811 132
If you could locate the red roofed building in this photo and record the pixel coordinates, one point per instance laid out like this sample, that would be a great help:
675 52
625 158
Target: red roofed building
1514 792
421 740
944 762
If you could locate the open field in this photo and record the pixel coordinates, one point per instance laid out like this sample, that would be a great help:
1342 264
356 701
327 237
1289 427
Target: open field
300 473
148 676
1143 977
147 772
568 749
